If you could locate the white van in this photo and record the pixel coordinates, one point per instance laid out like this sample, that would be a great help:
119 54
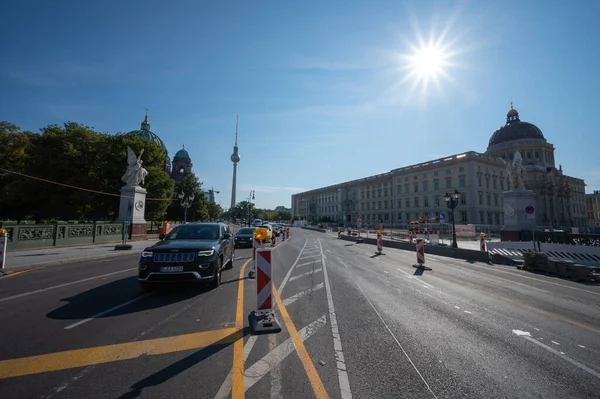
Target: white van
257 222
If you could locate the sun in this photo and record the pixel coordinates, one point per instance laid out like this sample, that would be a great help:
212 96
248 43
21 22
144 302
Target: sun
427 62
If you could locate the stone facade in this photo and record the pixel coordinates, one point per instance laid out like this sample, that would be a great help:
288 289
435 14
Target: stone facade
405 194
593 208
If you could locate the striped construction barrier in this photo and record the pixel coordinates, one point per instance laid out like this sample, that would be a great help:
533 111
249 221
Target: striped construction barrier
420 252
256 245
379 242
263 319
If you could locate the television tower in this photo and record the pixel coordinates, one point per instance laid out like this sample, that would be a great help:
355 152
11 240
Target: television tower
235 158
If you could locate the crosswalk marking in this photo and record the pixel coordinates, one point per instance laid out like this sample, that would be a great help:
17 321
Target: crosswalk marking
293 278
299 295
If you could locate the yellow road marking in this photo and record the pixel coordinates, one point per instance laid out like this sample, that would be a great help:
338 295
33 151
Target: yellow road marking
309 367
110 353
237 370
21 272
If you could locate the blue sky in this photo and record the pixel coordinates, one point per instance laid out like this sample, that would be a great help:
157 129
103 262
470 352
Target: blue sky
322 89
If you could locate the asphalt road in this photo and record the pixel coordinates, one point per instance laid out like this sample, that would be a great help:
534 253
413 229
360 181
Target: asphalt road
354 325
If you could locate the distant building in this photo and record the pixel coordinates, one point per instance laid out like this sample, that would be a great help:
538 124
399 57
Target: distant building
408 193
282 208
593 207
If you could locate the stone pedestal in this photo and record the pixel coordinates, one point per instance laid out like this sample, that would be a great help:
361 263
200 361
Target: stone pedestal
132 209
516 219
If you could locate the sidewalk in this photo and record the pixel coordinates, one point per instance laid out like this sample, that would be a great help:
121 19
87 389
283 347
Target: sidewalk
27 259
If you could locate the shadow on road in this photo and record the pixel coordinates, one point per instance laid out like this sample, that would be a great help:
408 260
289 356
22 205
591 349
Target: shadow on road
418 272
114 293
182 365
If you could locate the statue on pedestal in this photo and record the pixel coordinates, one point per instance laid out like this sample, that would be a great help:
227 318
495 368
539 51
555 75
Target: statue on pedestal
516 171
135 172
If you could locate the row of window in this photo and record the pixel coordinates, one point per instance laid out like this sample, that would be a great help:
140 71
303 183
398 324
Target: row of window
485 217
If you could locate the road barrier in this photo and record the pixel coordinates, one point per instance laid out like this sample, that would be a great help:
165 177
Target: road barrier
379 242
256 245
287 232
3 246
339 232
273 237
420 252
482 245
410 237
263 319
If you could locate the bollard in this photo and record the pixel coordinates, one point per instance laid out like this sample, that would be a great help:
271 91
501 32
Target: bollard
3 245
379 242
287 233
256 245
263 319
339 232
410 237
421 255
482 244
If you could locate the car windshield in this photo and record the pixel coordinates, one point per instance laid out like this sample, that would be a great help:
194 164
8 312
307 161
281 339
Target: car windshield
247 230
194 232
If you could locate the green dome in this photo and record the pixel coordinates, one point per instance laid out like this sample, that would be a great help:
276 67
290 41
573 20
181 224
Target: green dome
183 154
146 134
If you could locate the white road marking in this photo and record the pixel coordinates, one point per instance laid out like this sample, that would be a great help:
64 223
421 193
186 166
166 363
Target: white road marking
397 342
385 271
107 311
64 285
555 343
536 329
258 370
467 312
581 346
287 276
309 256
414 278
574 362
309 263
225 388
345 391
457 307
275 374
305 274
299 295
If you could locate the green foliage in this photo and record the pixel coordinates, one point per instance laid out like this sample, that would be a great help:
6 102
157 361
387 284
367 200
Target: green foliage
246 210
198 212
214 211
77 156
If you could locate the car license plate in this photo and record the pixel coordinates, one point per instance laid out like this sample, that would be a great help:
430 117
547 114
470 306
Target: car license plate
171 269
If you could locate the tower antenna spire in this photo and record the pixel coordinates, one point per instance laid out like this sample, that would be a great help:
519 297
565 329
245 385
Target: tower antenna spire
236 129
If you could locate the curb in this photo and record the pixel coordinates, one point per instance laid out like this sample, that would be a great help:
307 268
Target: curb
62 262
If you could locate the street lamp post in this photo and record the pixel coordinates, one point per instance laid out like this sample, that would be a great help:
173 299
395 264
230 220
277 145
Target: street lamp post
186 203
452 202
250 199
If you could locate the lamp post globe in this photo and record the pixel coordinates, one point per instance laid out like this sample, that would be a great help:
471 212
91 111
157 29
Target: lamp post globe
452 201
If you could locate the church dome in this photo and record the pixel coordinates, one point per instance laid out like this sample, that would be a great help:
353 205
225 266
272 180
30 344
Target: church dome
147 134
182 154
514 129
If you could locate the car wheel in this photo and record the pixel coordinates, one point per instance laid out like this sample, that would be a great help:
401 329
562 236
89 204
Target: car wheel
146 287
217 276
230 263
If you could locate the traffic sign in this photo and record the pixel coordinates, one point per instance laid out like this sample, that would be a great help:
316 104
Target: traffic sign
442 216
359 219
530 209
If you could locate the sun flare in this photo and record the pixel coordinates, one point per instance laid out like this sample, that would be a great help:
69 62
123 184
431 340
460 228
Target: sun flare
427 62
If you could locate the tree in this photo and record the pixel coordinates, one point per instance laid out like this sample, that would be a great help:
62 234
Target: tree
214 210
284 215
244 210
198 210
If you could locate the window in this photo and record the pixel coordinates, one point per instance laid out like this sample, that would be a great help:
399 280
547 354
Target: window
425 201
385 204
399 203
368 206
416 202
378 193
435 174
425 186
426 214
399 216
416 187
463 200
436 184
461 169
416 177
529 155
385 192
487 182
378 205
406 190
362 195
386 216
501 184
495 183
480 198
368 195
481 217
448 182
407 203
489 218
448 171
462 181
407 216
398 190
488 198
495 199
497 216
463 217
479 181
537 155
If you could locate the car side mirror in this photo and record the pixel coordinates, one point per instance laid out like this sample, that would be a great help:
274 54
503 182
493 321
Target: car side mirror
161 236
227 236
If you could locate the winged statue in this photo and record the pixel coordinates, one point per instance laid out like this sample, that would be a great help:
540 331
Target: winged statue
516 170
135 173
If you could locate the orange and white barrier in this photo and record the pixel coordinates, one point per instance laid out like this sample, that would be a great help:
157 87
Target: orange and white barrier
3 245
379 242
482 244
287 232
410 237
420 252
256 245
263 319
264 284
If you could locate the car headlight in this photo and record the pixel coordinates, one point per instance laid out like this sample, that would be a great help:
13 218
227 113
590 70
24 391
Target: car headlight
208 252
147 254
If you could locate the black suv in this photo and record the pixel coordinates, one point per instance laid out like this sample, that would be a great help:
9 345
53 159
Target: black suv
192 252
